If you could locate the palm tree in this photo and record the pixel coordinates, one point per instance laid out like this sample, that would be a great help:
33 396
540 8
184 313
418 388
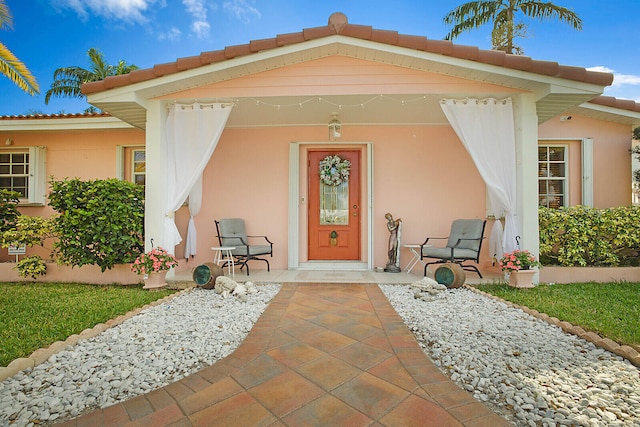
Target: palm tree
474 14
10 65
67 80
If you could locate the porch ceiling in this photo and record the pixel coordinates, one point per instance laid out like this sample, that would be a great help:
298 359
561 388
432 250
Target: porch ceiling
351 110
395 109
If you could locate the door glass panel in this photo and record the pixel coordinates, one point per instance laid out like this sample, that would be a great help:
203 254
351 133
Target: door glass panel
334 204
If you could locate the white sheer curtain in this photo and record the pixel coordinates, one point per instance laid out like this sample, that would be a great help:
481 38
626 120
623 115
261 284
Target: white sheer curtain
193 132
486 128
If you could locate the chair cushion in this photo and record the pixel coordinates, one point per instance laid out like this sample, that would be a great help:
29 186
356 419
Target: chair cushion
466 229
253 250
445 253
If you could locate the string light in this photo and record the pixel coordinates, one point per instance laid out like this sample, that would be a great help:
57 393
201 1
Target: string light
320 99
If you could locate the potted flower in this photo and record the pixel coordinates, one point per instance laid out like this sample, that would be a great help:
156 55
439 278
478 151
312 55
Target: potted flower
154 266
519 264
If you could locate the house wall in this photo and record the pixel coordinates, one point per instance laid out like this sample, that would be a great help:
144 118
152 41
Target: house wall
422 174
611 157
87 154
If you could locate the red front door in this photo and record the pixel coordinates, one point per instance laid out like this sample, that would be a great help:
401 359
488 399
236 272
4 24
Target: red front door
334 205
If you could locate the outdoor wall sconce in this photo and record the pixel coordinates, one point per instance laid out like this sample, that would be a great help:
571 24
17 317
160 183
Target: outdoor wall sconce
335 127
9 141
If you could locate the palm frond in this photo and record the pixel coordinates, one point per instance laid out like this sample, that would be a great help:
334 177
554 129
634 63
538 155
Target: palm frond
17 72
6 20
470 16
99 66
547 10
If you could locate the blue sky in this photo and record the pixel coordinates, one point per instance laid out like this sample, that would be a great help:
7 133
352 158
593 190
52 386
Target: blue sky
48 34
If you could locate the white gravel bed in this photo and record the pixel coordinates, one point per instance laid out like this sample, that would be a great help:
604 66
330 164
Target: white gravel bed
527 370
150 350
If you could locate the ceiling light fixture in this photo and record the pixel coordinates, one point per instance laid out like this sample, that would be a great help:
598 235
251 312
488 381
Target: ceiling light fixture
335 127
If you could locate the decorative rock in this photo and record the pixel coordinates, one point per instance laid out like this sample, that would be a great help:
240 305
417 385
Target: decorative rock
225 285
533 373
161 344
240 291
426 289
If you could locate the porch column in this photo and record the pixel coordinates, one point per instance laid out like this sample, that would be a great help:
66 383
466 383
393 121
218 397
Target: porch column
526 130
156 176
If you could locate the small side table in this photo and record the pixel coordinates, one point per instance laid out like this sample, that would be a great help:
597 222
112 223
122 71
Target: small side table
222 256
414 249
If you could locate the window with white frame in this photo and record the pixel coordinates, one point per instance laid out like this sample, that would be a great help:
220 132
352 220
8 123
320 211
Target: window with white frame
138 167
131 163
23 171
553 176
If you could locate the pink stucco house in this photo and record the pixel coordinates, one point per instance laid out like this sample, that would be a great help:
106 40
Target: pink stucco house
239 132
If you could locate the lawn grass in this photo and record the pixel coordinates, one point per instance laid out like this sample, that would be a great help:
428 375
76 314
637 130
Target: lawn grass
33 316
612 310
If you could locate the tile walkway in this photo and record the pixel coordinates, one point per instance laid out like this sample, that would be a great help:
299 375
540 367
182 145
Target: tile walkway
320 355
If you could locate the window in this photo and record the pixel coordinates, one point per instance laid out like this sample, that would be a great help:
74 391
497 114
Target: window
14 172
23 171
552 176
139 167
131 164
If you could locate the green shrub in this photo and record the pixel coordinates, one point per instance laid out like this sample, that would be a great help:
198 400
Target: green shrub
101 222
31 266
8 209
583 236
29 230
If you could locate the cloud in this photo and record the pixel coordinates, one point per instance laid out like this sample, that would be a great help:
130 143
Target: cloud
127 10
199 25
241 9
173 34
618 78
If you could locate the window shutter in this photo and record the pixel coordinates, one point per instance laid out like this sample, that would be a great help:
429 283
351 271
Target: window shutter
37 175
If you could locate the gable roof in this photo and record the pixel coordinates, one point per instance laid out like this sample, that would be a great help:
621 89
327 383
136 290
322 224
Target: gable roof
555 87
339 25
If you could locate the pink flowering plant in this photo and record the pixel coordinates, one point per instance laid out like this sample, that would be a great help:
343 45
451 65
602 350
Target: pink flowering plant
518 260
158 259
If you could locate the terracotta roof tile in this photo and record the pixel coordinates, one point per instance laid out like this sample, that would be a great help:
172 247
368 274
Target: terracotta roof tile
466 52
160 70
357 31
338 24
231 52
213 56
384 36
492 57
548 68
337 21
117 81
141 75
188 63
54 116
412 42
264 44
610 101
290 38
442 47
517 62
318 32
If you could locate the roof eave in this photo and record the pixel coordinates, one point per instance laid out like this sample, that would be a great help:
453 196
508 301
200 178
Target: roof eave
35 123
607 113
